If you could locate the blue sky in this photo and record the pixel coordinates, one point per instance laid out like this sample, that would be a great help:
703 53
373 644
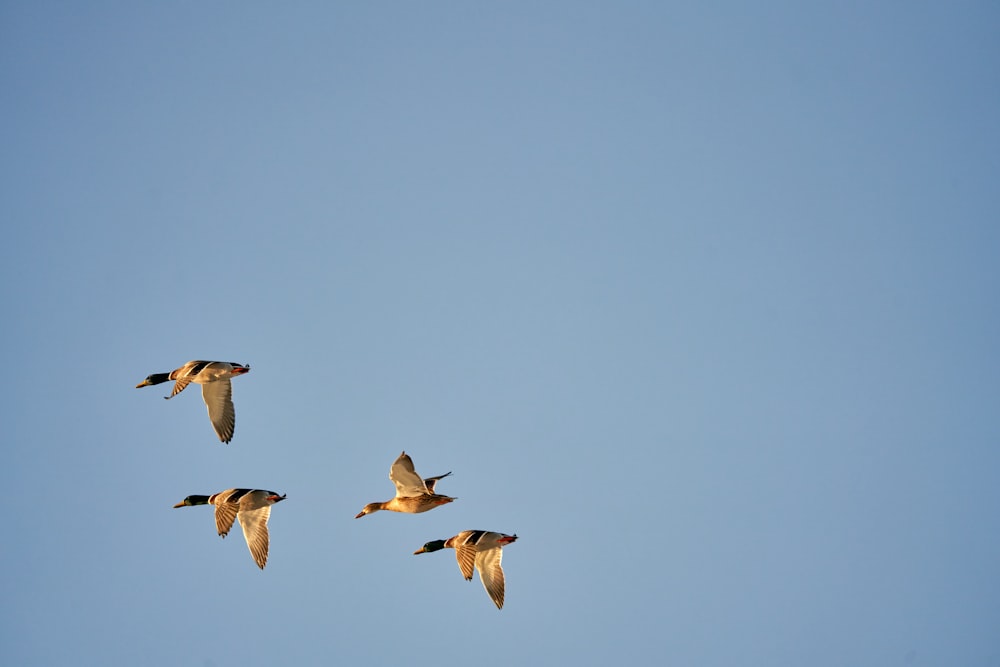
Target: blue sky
699 300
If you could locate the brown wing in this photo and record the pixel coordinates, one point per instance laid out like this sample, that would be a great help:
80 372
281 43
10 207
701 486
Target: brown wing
179 386
466 556
225 514
184 375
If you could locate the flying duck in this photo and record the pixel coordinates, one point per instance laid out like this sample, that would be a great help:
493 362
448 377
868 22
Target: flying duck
251 506
413 494
481 550
216 390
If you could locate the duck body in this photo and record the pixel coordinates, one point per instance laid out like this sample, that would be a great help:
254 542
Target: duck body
216 390
252 507
414 494
477 550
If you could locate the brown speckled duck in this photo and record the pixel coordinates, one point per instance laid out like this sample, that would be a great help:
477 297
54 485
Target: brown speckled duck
413 494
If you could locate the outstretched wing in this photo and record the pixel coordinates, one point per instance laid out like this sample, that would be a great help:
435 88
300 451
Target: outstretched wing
466 556
185 374
488 564
179 386
218 397
408 482
431 482
254 523
225 514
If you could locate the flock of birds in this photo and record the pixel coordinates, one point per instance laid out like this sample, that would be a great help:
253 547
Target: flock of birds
475 549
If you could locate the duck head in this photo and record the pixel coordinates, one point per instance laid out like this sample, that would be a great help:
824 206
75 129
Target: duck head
155 378
369 508
434 545
193 500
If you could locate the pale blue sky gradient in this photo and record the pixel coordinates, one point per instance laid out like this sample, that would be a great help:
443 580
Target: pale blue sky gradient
699 300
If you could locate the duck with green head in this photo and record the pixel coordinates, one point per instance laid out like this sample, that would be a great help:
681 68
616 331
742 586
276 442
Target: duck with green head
477 550
216 390
252 507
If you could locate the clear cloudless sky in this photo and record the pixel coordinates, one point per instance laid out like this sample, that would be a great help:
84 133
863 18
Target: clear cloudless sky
699 299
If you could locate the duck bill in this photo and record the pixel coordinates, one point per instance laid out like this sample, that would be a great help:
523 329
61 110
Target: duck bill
180 504
421 550
144 383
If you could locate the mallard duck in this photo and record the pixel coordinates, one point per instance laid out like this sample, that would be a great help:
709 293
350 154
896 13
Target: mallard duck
481 550
216 390
251 506
413 494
